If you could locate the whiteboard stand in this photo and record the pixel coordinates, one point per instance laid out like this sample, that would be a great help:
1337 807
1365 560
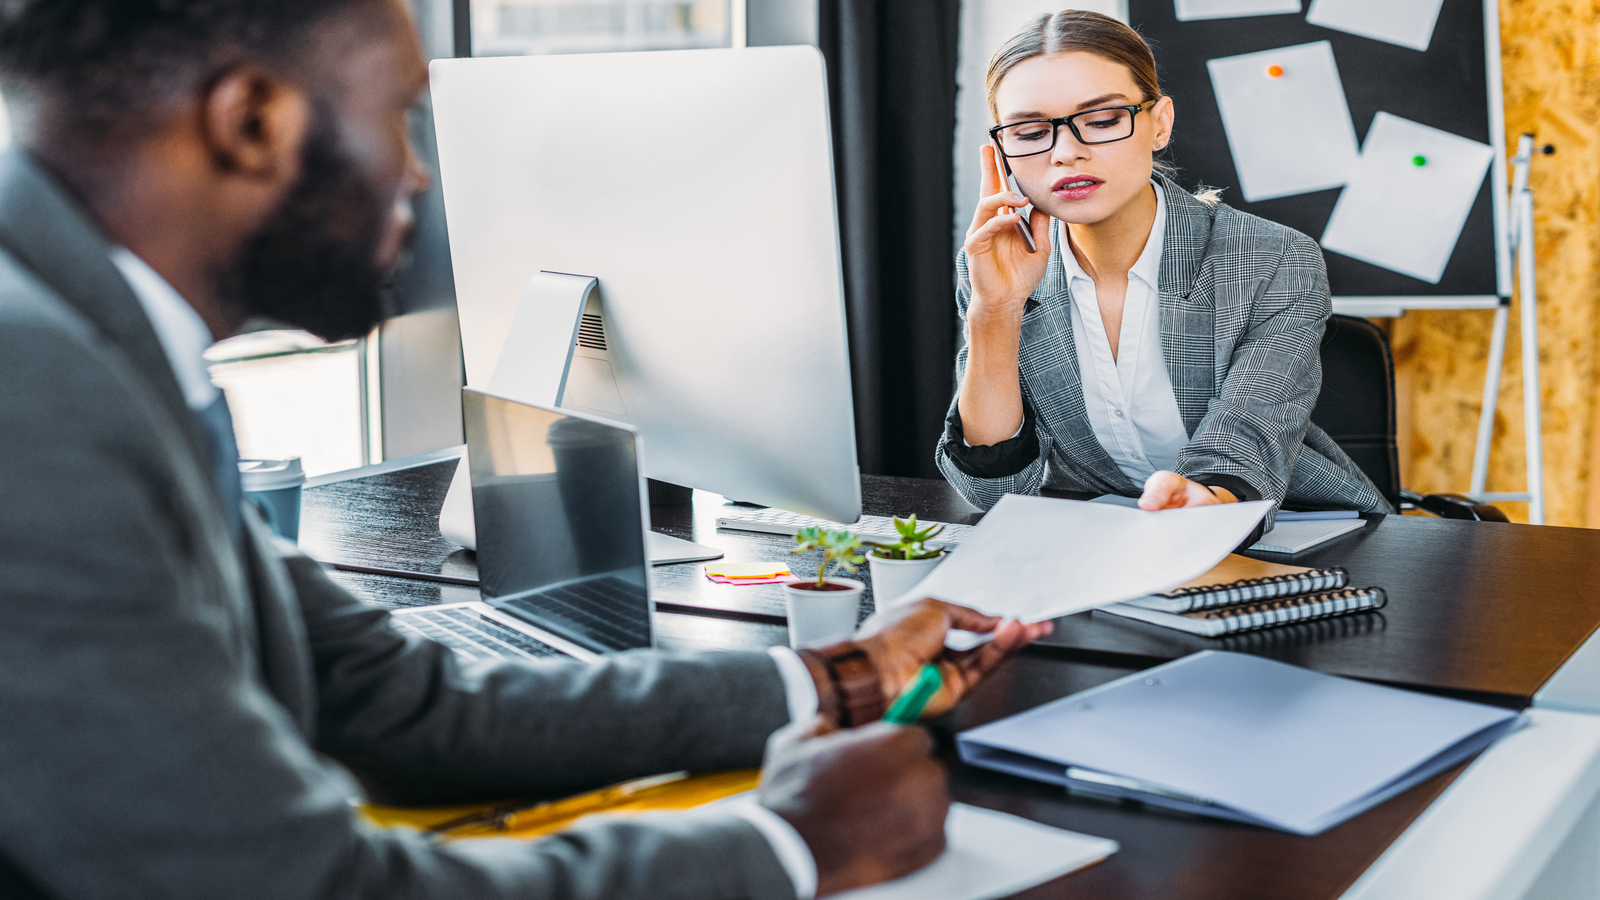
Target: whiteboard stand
1521 236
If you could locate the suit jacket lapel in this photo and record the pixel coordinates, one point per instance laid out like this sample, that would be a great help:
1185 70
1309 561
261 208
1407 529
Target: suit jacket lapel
1188 316
53 237
1054 379
44 230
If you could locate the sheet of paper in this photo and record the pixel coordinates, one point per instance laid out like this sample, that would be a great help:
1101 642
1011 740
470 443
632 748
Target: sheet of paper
1286 118
1408 198
1408 23
991 855
1035 558
1191 10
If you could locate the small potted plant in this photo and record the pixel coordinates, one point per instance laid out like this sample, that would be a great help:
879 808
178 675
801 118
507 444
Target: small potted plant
900 566
825 609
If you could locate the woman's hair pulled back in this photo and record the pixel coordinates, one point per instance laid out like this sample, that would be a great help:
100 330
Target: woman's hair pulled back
1070 31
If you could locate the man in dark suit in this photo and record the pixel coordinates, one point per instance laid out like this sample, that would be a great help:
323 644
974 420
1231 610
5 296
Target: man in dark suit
181 696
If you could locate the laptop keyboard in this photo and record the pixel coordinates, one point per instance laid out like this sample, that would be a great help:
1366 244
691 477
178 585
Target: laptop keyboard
608 610
472 636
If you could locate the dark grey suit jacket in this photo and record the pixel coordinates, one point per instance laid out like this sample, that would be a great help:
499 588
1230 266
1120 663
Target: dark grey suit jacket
1243 305
171 703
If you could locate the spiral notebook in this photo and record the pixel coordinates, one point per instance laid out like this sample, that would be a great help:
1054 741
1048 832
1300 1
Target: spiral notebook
1240 579
1217 621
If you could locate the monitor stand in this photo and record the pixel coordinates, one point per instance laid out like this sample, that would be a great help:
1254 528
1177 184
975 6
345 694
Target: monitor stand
664 550
539 375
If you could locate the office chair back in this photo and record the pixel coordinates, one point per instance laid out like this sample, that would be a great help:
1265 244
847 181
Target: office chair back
1356 406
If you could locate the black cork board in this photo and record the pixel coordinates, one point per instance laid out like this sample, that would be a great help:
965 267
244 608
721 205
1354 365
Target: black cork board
1449 86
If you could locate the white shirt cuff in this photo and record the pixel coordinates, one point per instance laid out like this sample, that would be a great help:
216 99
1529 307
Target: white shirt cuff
797 683
1012 438
787 844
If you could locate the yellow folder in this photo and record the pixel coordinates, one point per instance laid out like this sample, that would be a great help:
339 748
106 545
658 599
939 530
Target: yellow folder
532 819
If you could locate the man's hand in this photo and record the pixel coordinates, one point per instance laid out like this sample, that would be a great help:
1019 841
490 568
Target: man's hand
901 639
870 802
1169 490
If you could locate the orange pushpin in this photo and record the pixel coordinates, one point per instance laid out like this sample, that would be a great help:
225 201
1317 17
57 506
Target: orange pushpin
1275 71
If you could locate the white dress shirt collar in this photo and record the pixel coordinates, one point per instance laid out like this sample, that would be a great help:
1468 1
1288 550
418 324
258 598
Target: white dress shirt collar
1147 268
183 334
1129 398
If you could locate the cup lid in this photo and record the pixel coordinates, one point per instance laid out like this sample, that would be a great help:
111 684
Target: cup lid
270 474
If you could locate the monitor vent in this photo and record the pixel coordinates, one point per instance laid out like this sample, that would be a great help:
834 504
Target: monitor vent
592 332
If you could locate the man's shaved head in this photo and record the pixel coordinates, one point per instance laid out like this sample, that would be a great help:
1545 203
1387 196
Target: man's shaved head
111 65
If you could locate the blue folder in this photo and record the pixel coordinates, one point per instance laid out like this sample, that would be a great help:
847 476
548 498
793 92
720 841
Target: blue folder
1241 737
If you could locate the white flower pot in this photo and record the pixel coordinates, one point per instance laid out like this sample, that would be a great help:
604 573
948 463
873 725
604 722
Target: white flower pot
821 617
894 578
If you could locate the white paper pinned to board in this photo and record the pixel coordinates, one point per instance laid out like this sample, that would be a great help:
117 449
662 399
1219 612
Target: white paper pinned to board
1408 23
1401 215
1287 120
1194 10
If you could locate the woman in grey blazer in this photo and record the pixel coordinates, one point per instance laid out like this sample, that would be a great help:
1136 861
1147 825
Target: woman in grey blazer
1157 344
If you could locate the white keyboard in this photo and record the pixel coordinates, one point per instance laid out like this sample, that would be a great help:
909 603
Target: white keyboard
876 529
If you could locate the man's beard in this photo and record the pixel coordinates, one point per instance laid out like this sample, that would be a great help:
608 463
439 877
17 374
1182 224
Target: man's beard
314 265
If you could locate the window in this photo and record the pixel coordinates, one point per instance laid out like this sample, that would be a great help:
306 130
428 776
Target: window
293 395
526 27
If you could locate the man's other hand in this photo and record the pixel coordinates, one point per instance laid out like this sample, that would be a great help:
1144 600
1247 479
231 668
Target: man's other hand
899 640
870 802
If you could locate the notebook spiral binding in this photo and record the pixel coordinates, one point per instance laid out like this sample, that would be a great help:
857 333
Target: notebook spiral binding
1252 589
1302 608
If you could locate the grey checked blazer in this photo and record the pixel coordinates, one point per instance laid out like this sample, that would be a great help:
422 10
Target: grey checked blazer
178 712
1243 305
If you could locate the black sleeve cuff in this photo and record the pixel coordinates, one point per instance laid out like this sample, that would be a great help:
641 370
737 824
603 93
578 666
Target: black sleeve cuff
1244 491
1002 460
1231 483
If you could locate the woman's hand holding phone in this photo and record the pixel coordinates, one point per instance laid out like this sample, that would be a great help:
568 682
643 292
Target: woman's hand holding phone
1004 271
1003 268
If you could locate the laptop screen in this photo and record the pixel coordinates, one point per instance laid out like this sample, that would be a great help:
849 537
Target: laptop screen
559 507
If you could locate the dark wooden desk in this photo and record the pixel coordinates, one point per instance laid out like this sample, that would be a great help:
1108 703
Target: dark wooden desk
389 522
1480 610
1485 611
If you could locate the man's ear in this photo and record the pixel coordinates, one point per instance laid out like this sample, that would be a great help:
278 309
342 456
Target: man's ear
254 124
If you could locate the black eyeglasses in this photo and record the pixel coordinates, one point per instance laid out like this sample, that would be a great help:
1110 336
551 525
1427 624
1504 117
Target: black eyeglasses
1103 126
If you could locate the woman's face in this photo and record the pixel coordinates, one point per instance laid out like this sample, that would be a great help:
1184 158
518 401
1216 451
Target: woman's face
1081 184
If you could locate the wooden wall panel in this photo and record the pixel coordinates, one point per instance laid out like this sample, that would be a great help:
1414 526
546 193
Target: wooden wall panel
1551 54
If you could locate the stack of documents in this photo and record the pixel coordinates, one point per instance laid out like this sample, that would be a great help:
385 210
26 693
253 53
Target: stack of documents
1240 737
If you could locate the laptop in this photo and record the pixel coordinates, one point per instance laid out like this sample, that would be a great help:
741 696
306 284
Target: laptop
561 513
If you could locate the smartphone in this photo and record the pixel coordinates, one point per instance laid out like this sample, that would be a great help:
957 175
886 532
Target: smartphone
1025 214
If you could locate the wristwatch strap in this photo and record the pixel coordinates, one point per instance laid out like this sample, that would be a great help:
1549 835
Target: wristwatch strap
858 687
827 689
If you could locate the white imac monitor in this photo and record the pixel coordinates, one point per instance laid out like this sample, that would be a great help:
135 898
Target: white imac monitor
697 187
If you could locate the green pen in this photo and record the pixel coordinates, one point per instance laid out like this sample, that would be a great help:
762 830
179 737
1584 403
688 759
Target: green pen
907 708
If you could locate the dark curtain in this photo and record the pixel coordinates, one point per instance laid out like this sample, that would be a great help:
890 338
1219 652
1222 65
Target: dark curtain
892 90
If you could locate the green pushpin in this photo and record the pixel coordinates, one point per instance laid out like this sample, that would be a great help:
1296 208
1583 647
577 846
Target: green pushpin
1419 160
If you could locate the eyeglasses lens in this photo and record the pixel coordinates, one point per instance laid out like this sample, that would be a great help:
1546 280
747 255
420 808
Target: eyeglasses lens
1100 126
